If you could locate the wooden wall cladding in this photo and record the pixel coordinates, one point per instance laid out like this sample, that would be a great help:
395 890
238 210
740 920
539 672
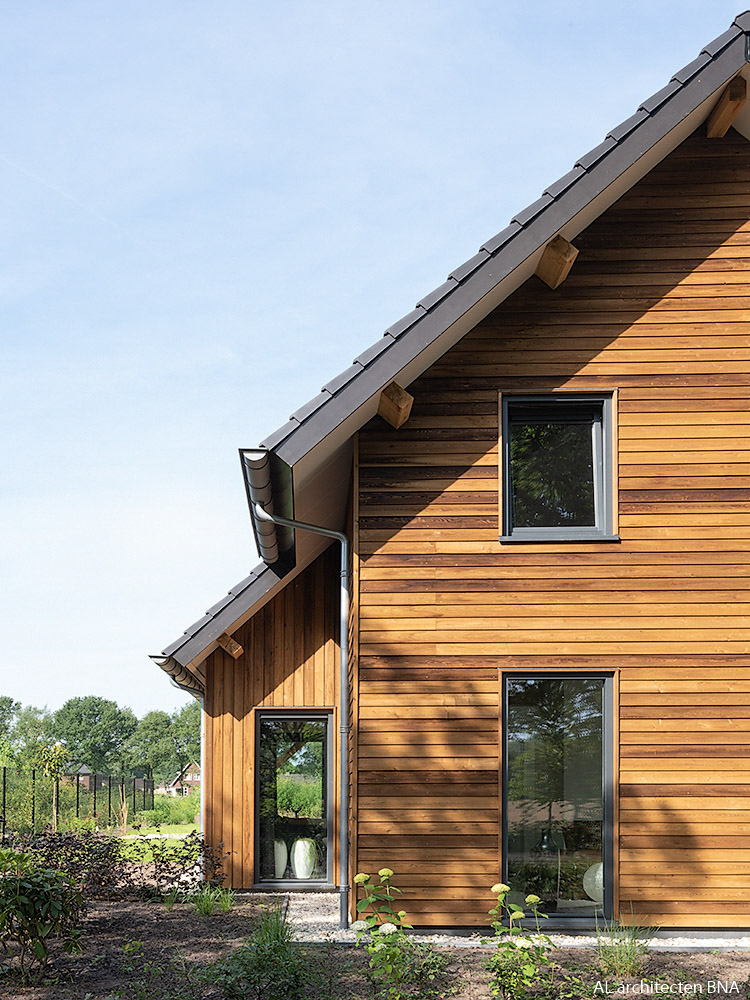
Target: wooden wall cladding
657 307
290 660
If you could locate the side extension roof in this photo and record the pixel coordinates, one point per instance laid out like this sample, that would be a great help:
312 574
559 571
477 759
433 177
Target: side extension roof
312 450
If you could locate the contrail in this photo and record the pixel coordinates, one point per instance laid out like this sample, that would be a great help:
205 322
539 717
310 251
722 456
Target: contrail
71 198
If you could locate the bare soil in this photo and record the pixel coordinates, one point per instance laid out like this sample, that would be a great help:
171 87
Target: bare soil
140 950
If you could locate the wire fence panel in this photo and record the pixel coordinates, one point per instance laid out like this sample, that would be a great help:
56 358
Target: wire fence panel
84 801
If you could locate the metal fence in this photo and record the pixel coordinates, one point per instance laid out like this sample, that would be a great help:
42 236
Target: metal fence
95 801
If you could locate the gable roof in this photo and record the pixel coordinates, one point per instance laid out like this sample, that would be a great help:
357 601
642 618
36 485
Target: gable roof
311 453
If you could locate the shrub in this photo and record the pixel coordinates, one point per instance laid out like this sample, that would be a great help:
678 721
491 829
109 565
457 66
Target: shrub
95 863
37 905
519 958
171 810
104 866
271 966
397 962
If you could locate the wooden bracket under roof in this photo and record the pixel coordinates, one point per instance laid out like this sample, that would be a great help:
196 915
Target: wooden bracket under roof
230 645
395 405
727 108
556 261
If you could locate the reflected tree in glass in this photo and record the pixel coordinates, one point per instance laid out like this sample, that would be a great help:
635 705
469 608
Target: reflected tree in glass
292 799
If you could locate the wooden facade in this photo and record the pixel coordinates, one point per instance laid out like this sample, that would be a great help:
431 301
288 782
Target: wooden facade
289 660
655 310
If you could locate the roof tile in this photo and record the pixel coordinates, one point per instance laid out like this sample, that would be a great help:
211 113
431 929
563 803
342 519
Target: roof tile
594 155
375 350
279 435
342 378
215 608
743 21
495 242
403 324
469 266
244 584
713 48
689 71
661 96
197 626
310 406
564 182
437 294
619 132
531 211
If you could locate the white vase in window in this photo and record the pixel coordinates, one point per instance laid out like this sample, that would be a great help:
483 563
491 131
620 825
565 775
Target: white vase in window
280 856
304 857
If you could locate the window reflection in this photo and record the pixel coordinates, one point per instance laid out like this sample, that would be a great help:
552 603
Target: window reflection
293 799
554 793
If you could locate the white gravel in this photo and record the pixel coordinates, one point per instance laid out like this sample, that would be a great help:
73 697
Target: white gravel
315 917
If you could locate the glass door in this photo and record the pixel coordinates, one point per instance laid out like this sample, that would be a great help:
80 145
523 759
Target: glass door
293 798
556 782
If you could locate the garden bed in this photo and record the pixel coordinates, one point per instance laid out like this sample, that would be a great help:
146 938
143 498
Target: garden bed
142 951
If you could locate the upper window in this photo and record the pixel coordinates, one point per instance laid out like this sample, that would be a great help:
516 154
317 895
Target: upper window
556 468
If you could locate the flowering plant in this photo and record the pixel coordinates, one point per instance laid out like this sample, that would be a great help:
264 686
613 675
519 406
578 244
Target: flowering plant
519 957
396 961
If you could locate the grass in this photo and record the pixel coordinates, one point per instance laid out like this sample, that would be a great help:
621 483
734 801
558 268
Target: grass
622 950
176 830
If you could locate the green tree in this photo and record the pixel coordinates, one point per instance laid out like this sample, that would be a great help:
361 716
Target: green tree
186 734
9 710
30 727
151 747
95 732
51 759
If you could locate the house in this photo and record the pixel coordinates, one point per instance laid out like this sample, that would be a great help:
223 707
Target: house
538 484
188 779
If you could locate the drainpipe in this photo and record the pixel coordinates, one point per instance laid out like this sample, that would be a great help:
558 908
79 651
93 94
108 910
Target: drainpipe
263 515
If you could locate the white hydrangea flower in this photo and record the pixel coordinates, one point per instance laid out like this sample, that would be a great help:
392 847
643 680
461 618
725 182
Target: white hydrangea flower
359 926
388 928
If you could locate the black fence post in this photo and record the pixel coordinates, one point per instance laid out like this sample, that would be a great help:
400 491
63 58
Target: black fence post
144 794
94 804
135 807
5 772
56 802
109 802
33 800
78 795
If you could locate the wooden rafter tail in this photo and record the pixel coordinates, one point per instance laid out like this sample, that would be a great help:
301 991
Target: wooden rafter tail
395 405
727 108
230 645
556 261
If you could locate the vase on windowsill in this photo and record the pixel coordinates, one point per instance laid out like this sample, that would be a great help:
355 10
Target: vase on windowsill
280 858
304 858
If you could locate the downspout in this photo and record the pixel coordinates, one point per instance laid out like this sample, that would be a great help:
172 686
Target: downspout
263 515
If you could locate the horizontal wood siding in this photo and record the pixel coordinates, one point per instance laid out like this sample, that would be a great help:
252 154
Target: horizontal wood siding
290 660
656 307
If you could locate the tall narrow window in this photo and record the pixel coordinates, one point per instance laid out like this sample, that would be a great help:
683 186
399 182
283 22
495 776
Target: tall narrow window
556 805
556 468
293 805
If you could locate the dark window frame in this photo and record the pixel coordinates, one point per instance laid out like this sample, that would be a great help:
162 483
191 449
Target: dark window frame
314 715
604 468
608 778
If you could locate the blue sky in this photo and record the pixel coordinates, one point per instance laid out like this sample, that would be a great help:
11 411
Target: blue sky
208 211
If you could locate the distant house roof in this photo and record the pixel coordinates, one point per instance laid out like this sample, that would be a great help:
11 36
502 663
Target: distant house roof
317 436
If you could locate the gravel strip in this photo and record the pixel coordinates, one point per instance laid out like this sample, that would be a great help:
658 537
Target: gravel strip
315 917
